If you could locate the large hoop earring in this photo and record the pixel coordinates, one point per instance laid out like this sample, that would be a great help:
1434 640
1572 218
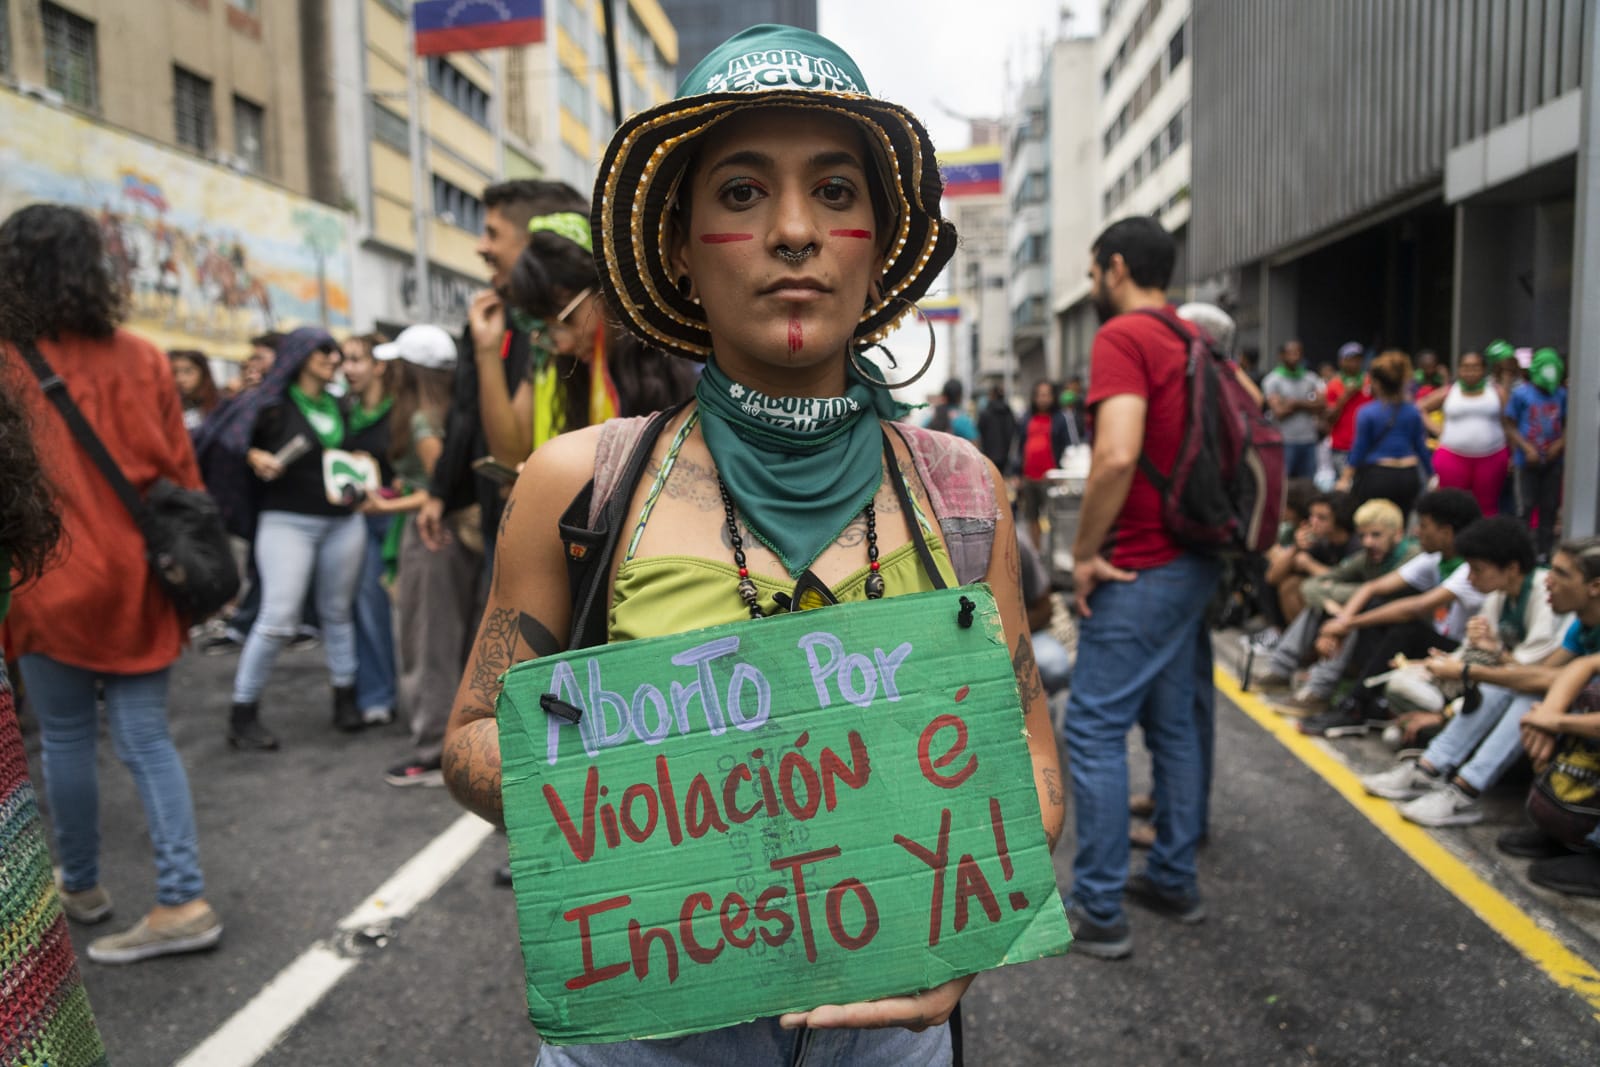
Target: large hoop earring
927 361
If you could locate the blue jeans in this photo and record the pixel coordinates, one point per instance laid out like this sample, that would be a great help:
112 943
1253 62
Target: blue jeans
1482 746
1300 460
63 697
289 548
762 1043
375 665
1136 664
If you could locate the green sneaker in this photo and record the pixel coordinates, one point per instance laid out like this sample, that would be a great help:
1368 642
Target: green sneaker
143 941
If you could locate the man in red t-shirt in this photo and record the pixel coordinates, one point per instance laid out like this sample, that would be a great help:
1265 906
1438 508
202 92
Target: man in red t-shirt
1348 393
1142 599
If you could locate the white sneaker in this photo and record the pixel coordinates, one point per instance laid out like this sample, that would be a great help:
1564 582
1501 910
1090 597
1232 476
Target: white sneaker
1446 806
1404 781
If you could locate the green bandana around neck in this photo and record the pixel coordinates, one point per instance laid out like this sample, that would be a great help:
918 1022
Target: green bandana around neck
1447 567
1352 382
1513 626
1069 398
322 413
799 469
1294 374
361 417
1473 390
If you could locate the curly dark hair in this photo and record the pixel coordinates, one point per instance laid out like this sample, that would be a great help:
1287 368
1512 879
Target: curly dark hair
54 264
29 524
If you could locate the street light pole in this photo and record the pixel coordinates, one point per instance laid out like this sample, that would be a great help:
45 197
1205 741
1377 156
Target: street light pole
1582 512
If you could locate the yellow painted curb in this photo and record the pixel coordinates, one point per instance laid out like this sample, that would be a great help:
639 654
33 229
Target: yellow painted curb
1565 967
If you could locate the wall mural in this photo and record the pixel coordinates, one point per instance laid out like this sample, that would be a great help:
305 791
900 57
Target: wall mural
209 257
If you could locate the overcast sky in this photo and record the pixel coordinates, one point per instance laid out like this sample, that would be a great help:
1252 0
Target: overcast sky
927 53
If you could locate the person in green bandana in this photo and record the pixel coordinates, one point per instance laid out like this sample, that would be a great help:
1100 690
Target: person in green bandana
301 535
1296 398
773 222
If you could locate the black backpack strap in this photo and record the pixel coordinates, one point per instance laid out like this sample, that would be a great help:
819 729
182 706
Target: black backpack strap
56 390
1161 481
899 482
590 548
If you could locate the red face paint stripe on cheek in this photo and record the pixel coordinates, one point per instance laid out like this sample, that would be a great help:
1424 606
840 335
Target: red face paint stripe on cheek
725 238
863 234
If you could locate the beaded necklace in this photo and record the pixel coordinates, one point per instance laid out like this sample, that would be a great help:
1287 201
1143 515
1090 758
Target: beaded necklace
747 587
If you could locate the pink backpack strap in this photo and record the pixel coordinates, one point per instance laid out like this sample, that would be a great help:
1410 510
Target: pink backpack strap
961 492
617 437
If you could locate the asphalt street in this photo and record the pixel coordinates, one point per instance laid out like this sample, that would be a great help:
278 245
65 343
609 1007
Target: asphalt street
1325 944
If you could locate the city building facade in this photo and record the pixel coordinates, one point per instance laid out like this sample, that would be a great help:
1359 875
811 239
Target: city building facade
183 127
541 110
1051 171
1145 82
1394 172
979 346
704 24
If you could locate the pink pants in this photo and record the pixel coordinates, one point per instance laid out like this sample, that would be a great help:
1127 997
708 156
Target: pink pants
1482 476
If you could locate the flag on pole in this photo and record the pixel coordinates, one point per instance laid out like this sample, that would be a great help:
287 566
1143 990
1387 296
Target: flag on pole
940 308
971 171
471 25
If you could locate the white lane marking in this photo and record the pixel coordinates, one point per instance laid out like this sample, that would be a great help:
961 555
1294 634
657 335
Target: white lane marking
252 1031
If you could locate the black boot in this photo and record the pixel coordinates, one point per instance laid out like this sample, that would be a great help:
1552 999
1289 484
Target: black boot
245 730
346 716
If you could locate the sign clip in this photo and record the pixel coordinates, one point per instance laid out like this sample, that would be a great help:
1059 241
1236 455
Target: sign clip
554 705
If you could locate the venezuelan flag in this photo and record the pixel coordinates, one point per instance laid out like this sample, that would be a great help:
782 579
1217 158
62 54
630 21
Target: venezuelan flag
473 25
971 171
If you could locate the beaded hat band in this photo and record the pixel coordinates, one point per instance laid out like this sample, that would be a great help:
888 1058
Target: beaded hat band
762 67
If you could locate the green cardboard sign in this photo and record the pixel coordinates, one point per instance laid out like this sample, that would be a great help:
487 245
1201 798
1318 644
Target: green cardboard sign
816 808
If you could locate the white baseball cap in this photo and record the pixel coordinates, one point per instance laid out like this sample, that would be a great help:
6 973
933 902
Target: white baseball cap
429 347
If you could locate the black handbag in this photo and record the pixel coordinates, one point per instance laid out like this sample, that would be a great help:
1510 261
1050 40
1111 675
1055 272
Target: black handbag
185 542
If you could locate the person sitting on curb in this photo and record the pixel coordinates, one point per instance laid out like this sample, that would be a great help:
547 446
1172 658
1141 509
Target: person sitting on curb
1565 710
1532 636
1380 526
1395 614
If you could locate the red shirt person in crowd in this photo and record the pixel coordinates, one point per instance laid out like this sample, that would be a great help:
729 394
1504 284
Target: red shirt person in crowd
1142 597
1348 393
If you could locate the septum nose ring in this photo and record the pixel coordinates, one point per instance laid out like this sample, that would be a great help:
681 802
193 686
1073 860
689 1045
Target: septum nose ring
794 258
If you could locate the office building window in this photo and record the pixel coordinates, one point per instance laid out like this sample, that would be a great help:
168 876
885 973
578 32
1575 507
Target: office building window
1177 49
71 68
459 91
1175 133
250 134
573 94
390 128
249 7
191 110
456 206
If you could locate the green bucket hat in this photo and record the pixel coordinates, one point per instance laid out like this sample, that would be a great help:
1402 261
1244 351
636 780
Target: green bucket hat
762 67
1547 369
1495 351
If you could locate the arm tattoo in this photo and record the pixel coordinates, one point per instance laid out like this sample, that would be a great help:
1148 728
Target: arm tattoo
1052 785
536 637
473 768
1026 669
497 643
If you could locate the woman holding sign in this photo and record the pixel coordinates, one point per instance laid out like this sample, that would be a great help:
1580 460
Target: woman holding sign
282 428
774 222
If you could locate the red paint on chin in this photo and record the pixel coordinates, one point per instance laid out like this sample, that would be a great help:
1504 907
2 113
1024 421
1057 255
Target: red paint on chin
865 235
796 335
726 238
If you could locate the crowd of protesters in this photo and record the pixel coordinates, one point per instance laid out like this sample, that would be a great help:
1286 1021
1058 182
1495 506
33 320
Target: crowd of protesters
388 574
1418 586
1418 589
